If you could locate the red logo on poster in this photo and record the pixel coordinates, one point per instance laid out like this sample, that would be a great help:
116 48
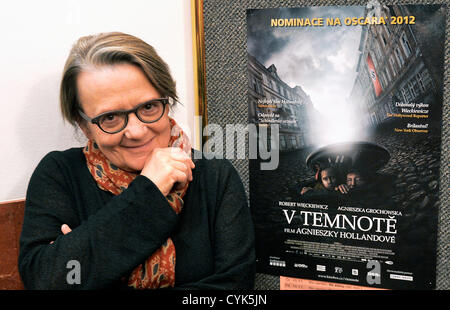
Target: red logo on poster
373 76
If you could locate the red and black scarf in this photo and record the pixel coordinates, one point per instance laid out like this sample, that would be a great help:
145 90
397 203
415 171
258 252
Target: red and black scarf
158 270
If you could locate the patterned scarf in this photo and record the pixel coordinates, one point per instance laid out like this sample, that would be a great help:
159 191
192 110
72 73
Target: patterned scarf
158 270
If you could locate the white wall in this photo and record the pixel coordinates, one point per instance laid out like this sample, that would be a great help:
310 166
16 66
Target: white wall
36 37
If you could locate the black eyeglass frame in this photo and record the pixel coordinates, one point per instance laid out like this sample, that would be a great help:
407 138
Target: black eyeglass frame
96 120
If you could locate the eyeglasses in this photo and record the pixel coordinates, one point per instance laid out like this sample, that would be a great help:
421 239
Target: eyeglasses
114 121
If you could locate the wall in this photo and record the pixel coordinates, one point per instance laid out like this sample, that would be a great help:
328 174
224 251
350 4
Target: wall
36 39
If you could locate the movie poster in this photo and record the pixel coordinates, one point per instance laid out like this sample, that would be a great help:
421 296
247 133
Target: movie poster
351 96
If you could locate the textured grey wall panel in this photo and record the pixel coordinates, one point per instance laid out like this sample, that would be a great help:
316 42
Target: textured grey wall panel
226 87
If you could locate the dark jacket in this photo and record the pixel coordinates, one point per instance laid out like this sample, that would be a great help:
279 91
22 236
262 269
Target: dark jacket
111 235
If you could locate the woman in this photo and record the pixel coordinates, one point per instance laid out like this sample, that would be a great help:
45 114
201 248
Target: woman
131 209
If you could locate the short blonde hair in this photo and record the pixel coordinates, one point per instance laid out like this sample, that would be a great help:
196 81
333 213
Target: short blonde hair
109 49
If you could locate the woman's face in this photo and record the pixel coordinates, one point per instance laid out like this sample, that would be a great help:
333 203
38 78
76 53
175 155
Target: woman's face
121 87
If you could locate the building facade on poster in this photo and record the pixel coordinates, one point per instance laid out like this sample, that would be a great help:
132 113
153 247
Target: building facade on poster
273 101
402 65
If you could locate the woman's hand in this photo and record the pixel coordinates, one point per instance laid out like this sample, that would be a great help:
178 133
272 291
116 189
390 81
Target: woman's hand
65 229
168 167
